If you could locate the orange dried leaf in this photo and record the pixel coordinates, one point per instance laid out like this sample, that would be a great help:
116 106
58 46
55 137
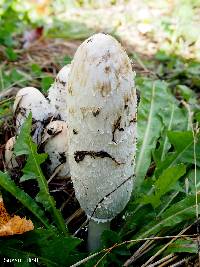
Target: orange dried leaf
4 216
14 225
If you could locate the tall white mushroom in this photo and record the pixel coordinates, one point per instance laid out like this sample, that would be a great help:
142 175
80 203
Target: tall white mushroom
30 99
101 114
57 93
56 146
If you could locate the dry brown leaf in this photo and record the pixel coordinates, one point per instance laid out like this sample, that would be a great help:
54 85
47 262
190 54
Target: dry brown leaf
12 225
4 216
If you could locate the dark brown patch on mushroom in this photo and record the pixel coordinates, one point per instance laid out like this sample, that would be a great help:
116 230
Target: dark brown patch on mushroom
21 111
104 88
62 158
96 112
133 120
90 40
62 82
49 131
116 126
75 131
138 96
126 101
107 69
18 106
54 133
80 155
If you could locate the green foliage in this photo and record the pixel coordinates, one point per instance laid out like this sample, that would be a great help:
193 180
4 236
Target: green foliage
183 245
69 30
164 184
25 199
25 146
157 113
51 248
183 143
46 83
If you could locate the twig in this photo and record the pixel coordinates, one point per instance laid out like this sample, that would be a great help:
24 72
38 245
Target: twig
127 242
168 261
9 93
179 263
138 253
81 227
108 251
161 260
86 259
163 248
6 100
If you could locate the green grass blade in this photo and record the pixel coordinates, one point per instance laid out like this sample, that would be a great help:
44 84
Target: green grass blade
183 211
154 98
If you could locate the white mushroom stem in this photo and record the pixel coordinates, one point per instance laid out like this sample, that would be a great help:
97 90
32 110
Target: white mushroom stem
95 231
101 112
30 99
56 146
57 93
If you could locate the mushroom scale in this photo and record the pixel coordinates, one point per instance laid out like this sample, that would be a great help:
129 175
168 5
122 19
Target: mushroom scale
56 146
57 93
101 112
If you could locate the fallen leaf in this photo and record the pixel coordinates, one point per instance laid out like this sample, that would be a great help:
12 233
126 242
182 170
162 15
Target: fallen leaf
12 225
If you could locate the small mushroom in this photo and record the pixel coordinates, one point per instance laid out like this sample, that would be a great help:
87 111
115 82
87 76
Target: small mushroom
56 146
57 94
30 99
101 110
10 158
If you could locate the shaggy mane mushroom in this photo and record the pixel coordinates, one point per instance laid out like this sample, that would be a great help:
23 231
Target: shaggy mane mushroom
101 114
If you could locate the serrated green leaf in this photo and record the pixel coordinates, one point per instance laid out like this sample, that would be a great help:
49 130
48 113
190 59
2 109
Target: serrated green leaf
25 145
183 143
25 199
164 184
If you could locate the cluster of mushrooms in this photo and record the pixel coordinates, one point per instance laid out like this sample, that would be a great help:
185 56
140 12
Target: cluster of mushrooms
91 136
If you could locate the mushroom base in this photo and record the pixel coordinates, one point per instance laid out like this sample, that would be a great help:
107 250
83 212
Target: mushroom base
95 230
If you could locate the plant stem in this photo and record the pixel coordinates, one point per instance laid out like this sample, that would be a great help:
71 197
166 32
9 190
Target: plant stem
95 230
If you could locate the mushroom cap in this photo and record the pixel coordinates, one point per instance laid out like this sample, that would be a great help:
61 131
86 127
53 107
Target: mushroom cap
56 146
30 99
10 160
57 94
101 114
